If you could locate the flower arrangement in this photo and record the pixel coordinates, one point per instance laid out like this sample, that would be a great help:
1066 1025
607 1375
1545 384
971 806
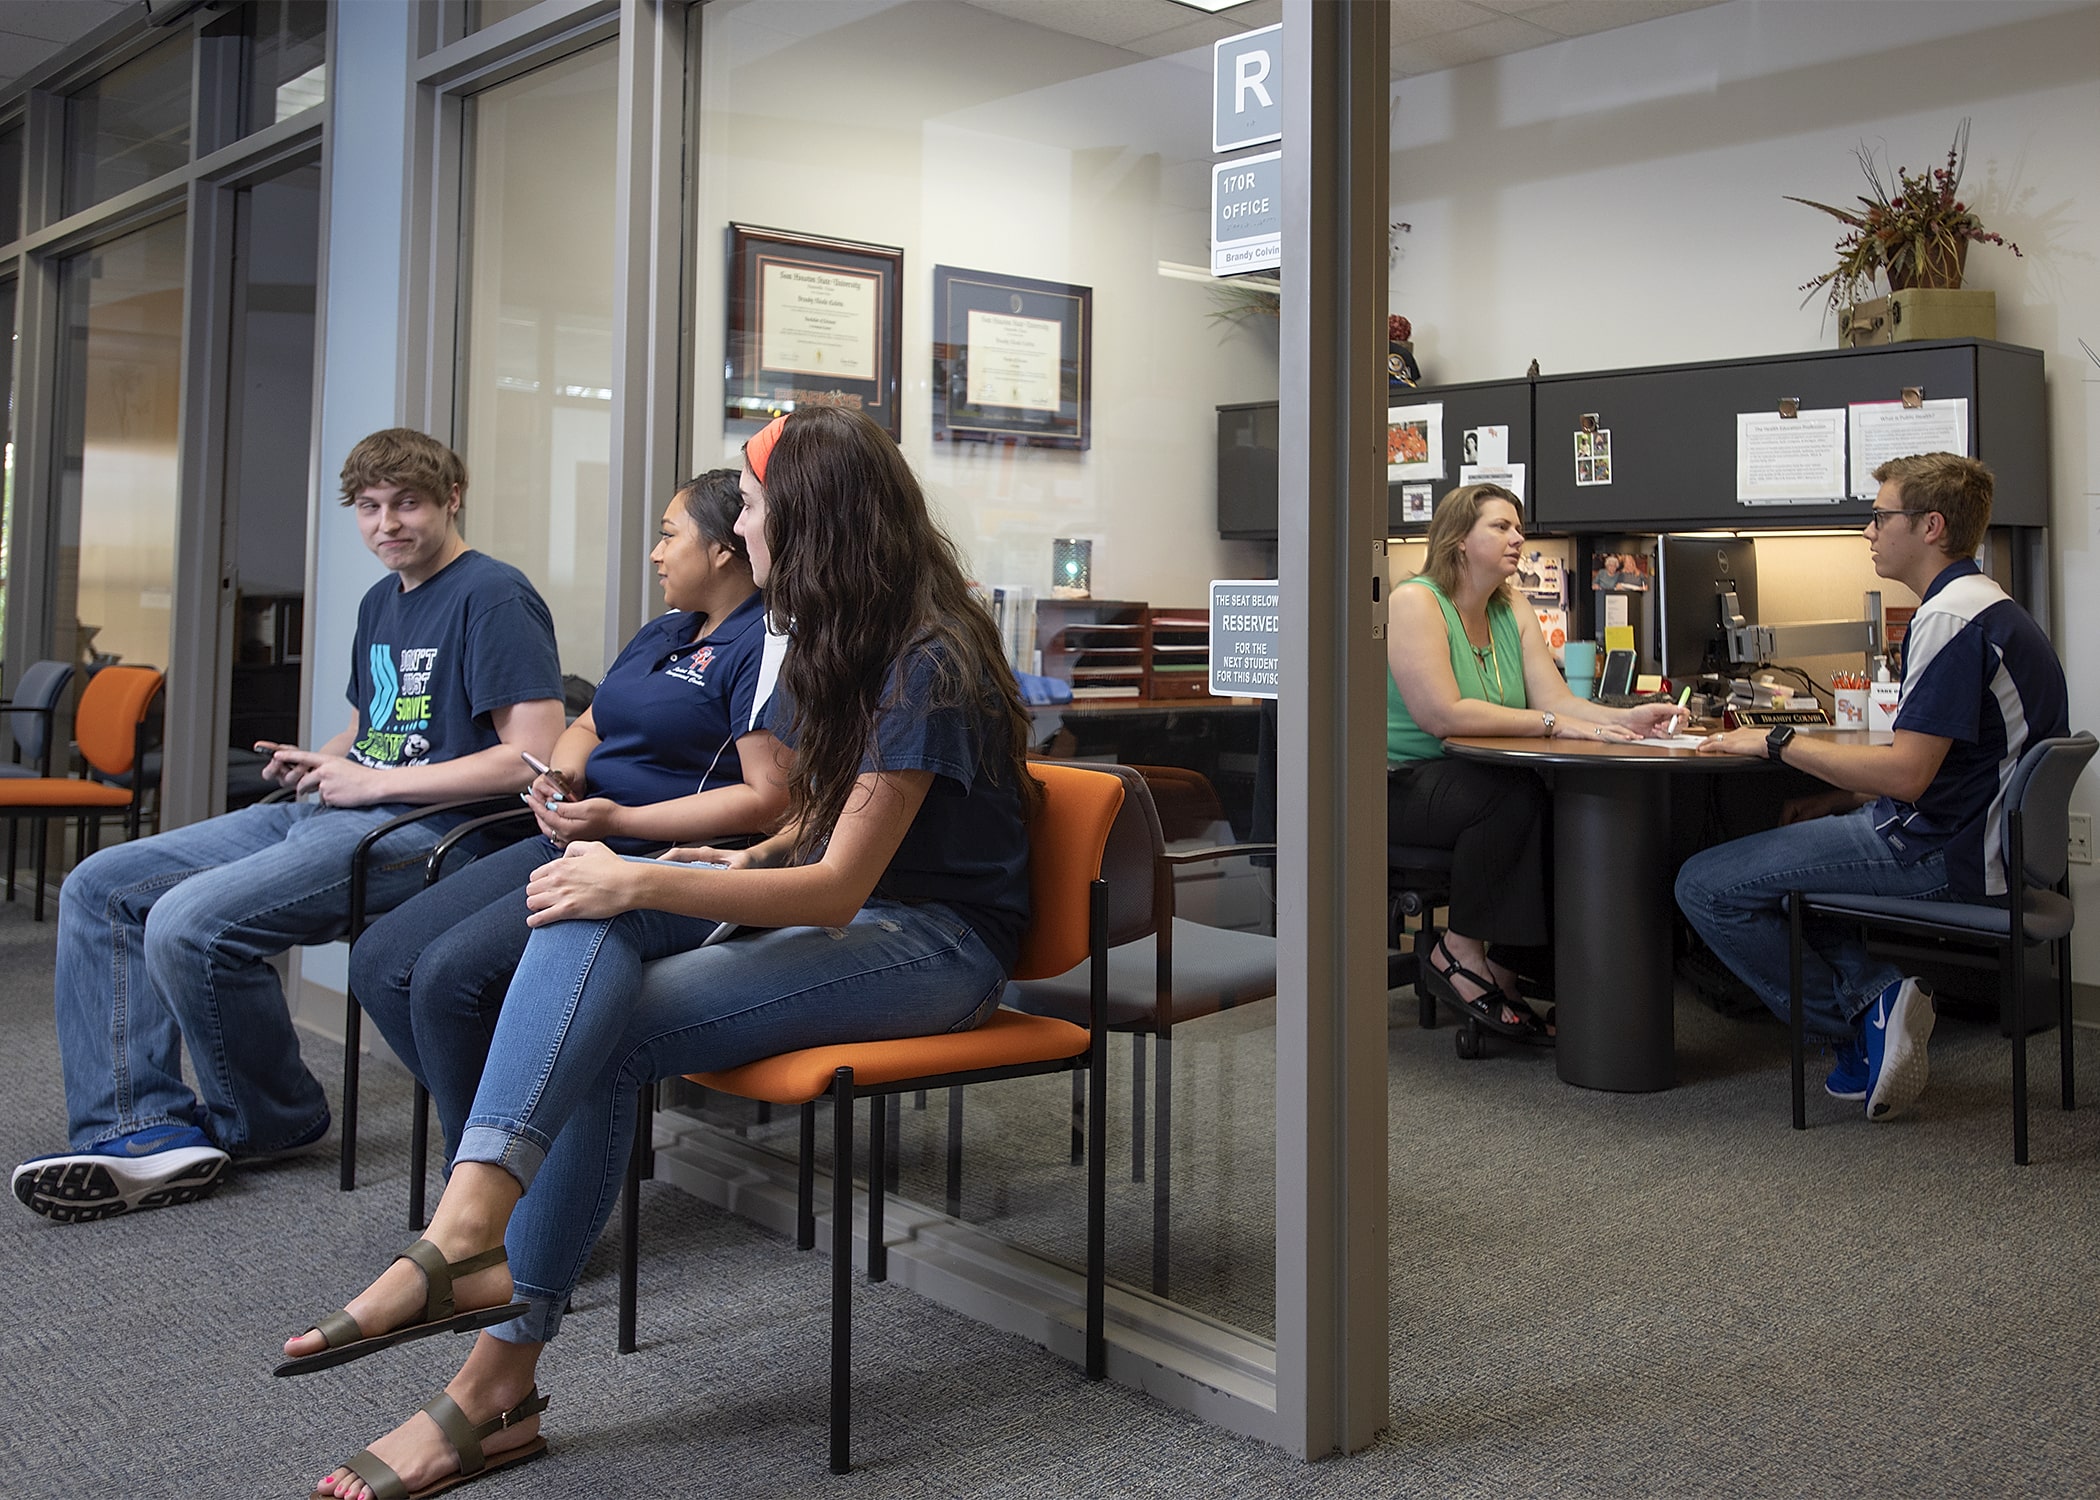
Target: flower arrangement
1918 235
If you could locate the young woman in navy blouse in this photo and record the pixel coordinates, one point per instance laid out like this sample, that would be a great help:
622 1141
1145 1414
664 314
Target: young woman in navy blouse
667 753
892 904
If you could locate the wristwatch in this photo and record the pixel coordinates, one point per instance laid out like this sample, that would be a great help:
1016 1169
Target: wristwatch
1782 735
1548 720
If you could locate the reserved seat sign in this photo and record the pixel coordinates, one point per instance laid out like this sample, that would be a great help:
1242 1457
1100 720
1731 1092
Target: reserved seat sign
1246 629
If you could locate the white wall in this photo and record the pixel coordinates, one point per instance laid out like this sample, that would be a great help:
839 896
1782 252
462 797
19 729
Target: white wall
1618 200
974 141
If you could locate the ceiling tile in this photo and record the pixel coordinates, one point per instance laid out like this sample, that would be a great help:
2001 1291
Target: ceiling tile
1112 21
59 21
1450 49
1582 17
1414 19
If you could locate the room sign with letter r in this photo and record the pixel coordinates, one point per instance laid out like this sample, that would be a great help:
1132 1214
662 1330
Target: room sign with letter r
1247 90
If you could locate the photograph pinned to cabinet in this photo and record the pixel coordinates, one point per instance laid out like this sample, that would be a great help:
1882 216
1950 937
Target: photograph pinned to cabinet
1414 442
1417 502
1592 451
1487 446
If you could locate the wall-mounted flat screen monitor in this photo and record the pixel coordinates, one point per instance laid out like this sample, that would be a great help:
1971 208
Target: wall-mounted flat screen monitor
1248 437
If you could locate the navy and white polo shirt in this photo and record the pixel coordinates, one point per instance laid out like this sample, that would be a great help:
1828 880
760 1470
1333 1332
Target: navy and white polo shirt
1976 670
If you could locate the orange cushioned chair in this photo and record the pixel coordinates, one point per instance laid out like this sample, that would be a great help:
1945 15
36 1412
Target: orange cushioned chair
110 730
1067 927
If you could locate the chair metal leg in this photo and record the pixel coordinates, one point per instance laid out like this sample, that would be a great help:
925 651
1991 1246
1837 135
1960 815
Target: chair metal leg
893 1144
1097 1206
1137 1106
418 1155
353 1037
842 1271
2064 1043
1078 1119
2019 1041
955 1130
881 1115
1162 1164
631 1214
647 1103
1797 1026
806 1182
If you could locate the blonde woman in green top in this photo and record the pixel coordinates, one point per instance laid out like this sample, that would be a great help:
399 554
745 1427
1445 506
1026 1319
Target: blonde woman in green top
1467 658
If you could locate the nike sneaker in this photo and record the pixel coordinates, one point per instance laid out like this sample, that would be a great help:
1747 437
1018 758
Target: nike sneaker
149 1168
1893 1034
1848 1076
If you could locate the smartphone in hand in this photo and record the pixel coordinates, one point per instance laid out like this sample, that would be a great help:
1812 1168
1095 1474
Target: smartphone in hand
543 769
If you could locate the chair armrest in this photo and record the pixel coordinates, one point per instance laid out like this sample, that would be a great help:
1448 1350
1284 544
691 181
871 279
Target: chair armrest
1215 851
434 867
467 805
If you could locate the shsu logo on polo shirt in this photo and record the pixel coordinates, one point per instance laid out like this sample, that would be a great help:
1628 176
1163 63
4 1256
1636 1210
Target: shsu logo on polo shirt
694 669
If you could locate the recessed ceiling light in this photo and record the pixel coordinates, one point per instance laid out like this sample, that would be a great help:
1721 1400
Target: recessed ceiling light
1211 6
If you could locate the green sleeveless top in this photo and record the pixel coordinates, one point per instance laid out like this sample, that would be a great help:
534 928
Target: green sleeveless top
1496 677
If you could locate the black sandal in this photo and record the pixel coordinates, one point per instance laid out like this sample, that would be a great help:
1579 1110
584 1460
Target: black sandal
1497 1014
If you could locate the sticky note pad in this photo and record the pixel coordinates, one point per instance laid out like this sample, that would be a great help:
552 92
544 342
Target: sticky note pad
1618 637
1648 682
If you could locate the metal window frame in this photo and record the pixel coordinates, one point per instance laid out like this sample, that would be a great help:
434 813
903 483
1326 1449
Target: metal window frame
649 244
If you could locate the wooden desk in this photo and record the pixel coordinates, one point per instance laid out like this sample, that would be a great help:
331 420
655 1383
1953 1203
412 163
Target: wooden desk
1612 900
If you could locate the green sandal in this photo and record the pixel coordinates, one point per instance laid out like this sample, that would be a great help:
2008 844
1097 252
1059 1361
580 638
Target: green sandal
465 1438
346 1341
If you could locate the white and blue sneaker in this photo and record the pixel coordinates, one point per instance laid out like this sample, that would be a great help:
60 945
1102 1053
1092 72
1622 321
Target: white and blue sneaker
1893 1033
1848 1076
149 1168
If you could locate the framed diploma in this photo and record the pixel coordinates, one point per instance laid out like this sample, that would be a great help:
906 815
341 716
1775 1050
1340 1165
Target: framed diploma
1012 360
812 322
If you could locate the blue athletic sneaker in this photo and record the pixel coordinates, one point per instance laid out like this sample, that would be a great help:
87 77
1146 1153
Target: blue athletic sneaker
1893 1033
1848 1077
150 1168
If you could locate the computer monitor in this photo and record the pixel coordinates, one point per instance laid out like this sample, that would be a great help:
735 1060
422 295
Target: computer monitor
1694 572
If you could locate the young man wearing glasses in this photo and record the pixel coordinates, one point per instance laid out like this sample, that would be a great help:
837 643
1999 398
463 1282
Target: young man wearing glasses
1918 818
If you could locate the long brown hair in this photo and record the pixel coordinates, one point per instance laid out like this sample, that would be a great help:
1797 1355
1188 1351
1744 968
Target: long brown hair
861 576
1456 515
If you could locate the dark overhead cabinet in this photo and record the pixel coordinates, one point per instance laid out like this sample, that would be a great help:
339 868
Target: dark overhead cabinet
1486 403
1673 432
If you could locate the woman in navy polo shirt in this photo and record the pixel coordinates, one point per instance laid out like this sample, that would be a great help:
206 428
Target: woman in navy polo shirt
668 752
891 904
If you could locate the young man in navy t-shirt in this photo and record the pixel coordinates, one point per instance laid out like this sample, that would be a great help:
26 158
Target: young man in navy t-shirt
1920 818
165 942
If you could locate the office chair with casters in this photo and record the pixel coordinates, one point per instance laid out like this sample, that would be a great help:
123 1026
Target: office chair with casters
31 713
2038 910
1067 925
1417 882
110 729
1163 970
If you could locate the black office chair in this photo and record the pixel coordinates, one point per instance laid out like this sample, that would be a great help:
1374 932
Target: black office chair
480 836
2038 910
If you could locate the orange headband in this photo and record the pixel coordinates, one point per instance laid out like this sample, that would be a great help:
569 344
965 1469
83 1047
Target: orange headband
760 447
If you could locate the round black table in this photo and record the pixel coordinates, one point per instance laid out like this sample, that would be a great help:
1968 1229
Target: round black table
1612 901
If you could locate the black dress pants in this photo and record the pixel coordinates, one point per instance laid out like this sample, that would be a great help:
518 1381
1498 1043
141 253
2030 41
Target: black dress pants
1493 819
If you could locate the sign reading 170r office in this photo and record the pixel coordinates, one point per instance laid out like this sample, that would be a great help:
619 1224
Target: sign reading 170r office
1246 195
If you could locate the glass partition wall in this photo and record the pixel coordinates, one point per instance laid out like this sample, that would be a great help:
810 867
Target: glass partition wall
1041 201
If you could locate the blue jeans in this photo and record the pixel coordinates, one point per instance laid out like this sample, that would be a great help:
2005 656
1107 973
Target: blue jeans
432 973
1732 894
165 941
586 1026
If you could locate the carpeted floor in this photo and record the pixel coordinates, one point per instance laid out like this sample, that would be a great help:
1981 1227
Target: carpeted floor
1591 1296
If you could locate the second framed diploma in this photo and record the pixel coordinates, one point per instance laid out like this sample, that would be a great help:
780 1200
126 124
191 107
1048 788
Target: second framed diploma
1012 360
812 322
